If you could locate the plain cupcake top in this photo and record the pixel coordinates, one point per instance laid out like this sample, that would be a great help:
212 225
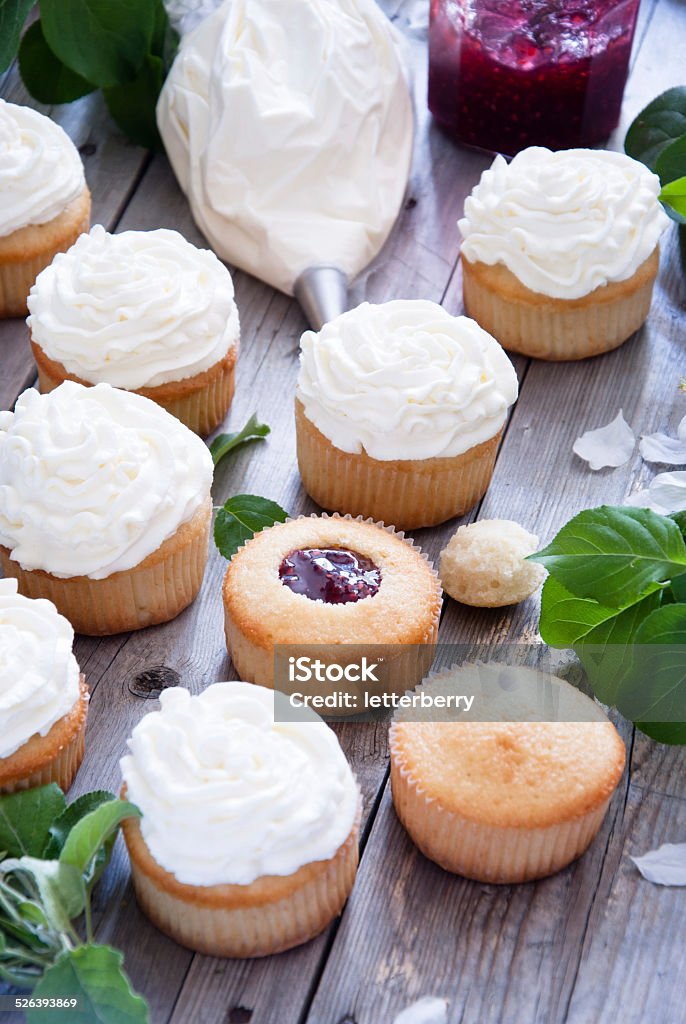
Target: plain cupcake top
405 380
39 675
564 223
92 480
136 309
40 168
509 766
229 795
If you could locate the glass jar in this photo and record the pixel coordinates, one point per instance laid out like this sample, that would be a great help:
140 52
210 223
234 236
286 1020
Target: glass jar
506 74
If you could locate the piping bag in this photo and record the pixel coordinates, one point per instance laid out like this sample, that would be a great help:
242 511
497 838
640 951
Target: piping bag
289 126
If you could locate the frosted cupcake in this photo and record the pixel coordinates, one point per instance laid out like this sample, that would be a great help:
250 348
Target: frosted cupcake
560 250
247 844
44 201
104 506
347 586
399 411
505 796
141 310
43 696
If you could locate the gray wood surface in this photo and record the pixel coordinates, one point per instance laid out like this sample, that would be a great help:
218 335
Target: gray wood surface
593 943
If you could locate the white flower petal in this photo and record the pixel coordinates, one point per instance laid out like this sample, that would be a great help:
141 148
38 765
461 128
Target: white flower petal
642 499
668 492
426 1011
664 866
671 451
611 445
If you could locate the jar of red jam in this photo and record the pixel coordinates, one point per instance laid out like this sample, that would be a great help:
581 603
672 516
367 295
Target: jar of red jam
506 74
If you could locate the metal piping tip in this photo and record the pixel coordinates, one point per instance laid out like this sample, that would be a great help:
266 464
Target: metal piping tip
322 293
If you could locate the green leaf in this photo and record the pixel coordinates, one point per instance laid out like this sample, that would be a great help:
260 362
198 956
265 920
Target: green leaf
13 14
241 518
44 75
654 693
614 554
92 832
132 104
225 443
104 41
671 163
60 887
673 197
93 975
26 818
657 126
566 619
607 652
61 826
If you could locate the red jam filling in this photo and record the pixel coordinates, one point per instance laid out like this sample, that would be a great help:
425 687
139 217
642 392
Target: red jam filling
506 74
331 575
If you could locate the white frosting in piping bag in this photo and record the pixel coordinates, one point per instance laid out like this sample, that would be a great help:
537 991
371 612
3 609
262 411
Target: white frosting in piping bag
289 126
564 223
40 168
39 675
92 480
228 795
405 380
134 310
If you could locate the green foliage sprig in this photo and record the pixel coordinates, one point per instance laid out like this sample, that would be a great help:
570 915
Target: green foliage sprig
657 138
52 857
124 47
241 517
616 594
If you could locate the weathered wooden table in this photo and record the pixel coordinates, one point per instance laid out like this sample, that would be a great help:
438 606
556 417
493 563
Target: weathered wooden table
595 942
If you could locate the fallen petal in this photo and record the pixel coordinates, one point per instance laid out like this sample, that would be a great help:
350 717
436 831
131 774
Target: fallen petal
668 492
611 445
426 1011
661 448
664 866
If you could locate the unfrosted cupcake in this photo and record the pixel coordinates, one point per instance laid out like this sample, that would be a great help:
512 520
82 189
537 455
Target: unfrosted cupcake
104 506
248 840
141 310
399 411
44 200
347 586
505 795
43 696
560 250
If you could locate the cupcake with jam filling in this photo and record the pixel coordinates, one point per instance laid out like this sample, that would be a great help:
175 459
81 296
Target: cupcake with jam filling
344 585
43 696
399 411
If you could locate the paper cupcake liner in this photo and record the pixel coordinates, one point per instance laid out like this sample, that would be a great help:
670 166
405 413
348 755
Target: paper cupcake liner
155 591
483 852
411 493
36 763
200 402
269 916
556 330
255 664
43 242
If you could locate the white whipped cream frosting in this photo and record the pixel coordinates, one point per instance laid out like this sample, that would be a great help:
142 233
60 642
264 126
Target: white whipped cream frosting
93 480
405 380
289 126
40 168
134 310
564 223
228 794
39 675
